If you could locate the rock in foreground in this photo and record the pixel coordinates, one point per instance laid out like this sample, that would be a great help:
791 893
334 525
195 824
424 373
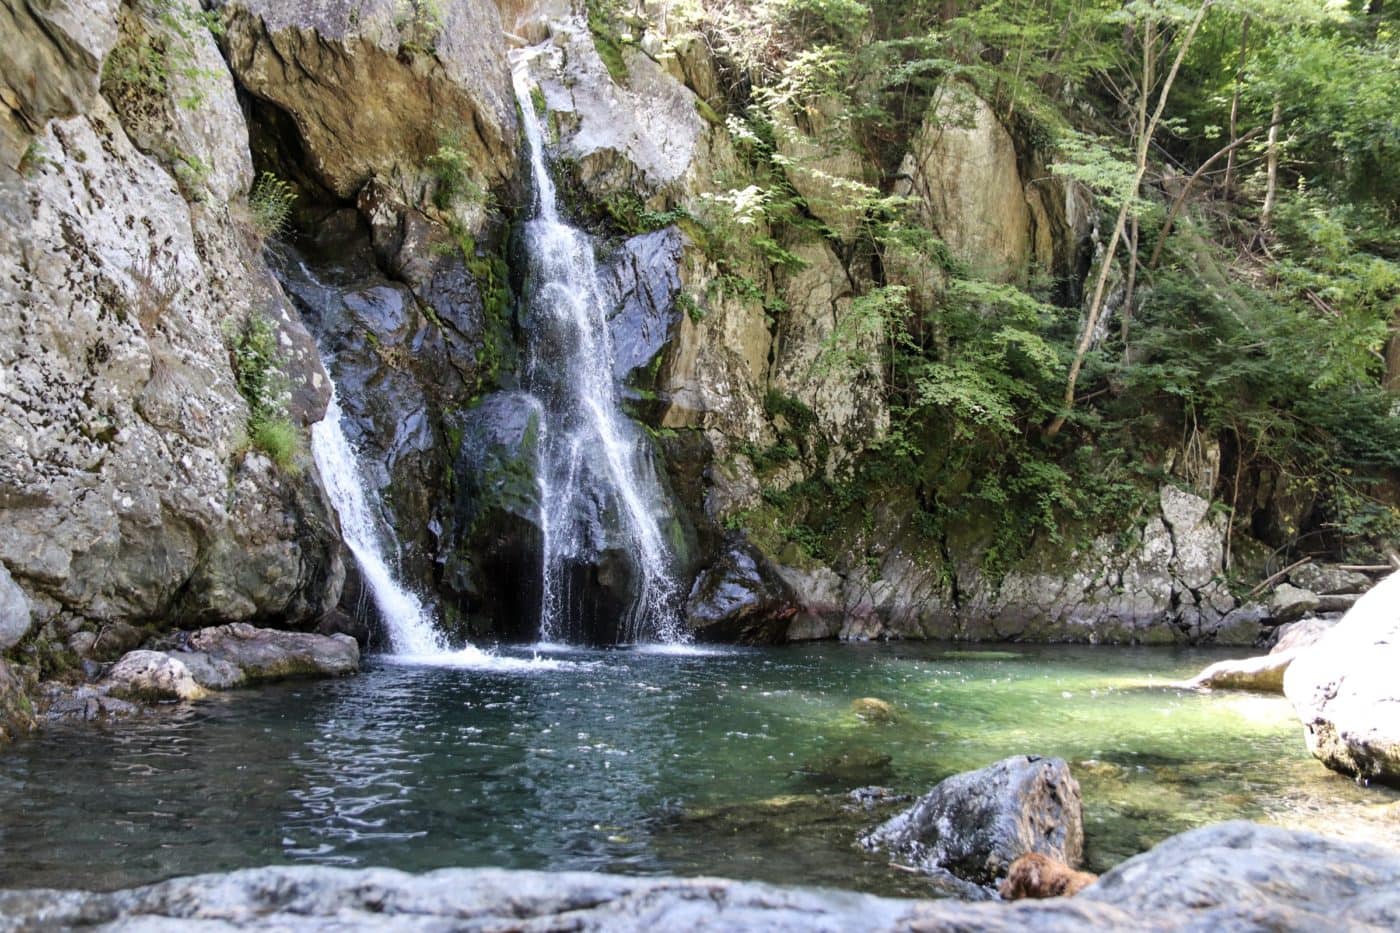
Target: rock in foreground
1345 691
1234 876
977 823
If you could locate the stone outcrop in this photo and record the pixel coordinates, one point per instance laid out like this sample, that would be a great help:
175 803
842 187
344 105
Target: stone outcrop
977 823
1264 674
49 68
16 709
375 88
1232 877
237 655
738 598
130 491
1345 691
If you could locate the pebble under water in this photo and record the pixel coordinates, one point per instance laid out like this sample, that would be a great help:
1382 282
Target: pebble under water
731 762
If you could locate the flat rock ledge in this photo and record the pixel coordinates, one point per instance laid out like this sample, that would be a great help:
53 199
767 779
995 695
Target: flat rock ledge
1231 876
190 664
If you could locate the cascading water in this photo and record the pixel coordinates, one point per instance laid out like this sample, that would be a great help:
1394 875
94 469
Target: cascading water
598 487
409 624
412 634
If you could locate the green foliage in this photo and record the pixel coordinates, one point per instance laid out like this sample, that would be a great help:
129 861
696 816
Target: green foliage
419 23
270 205
630 215
451 165
144 60
258 363
605 23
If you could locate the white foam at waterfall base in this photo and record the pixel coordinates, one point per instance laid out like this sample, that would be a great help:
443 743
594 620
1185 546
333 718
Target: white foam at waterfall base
413 637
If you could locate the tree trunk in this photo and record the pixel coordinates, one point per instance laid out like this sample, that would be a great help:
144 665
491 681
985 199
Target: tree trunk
1091 319
1229 182
1266 213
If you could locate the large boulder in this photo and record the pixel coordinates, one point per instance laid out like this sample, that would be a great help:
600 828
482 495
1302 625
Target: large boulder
739 598
1345 691
14 611
1290 603
225 656
131 492
1295 636
1232 877
977 823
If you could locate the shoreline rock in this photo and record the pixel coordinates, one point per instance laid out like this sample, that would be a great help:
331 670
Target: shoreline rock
1232 876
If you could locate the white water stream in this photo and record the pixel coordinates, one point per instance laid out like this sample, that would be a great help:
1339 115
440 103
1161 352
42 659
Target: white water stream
598 486
413 636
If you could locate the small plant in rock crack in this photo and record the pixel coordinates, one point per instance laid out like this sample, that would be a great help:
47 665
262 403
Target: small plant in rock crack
258 362
270 205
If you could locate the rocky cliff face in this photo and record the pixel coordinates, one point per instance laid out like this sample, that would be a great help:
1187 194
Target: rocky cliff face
131 494
129 491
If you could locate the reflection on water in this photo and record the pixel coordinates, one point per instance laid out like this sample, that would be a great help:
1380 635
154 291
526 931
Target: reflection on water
731 762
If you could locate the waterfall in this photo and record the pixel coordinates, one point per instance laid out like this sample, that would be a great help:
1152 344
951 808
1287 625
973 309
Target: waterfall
409 623
597 482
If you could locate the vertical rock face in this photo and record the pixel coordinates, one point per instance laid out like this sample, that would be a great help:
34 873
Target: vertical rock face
128 489
375 88
49 66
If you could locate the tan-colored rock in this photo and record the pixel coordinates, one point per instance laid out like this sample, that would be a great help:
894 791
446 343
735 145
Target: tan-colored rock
874 709
373 86
1264 674
1035 875
962 170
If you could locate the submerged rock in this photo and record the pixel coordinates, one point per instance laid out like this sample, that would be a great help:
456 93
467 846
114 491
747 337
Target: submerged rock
977 823
873 709
1234 876
1345 691
151 677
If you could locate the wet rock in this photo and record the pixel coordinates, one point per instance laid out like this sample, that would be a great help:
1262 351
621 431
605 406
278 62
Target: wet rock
1264 674
737 598
1345 691
1231 877
59 703
212 655
856 765
1290 603
151 677
1295 636
977 823
14 611
1329 579
497 537
642 282
16 709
